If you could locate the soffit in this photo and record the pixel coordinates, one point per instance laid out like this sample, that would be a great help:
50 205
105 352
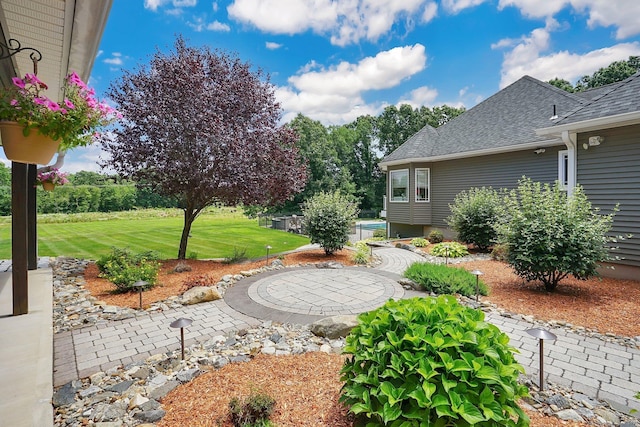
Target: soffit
66 32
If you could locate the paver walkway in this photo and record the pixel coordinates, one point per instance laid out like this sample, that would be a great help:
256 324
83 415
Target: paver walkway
594 367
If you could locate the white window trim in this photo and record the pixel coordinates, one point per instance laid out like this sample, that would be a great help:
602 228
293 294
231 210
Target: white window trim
428 185
390 198
563 169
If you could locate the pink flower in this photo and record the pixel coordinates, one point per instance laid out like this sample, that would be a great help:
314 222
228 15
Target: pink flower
14 102
41 101
69 104
34 80
18 82
53 106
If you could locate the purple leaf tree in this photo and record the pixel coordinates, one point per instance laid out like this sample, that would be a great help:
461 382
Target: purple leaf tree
201 126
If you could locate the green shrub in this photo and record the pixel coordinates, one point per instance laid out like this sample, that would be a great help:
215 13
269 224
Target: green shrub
123 268
450 249
551 236
380 233
327 219
361 254
473 215
441 279
419 242
500 252
254 411
239 255
431 362
435 236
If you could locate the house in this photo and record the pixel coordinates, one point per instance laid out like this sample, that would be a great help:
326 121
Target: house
532 129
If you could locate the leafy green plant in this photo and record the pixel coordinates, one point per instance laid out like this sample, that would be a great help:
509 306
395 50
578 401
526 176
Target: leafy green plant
327 219
442 279
551 236
123 268
380 233
239 255
419 242
449 249
435 236
192 255
473 215
253 411
431 362
361 254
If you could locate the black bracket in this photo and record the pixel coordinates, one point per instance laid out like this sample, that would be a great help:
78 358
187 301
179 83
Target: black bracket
13 46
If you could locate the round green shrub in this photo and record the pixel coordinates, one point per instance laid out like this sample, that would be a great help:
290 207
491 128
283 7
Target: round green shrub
419 242
435 236
380 232
431 362
450 249
473 215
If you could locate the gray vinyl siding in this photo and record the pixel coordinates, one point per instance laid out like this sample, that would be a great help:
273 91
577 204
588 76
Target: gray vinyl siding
411 212
610 174
448 178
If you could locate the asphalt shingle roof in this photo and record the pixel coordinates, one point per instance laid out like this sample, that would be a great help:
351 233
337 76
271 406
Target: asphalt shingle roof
620 98
508 118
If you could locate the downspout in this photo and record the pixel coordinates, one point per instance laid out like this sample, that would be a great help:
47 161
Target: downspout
571 141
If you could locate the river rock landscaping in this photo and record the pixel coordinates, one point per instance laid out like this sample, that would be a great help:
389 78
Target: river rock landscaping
164 390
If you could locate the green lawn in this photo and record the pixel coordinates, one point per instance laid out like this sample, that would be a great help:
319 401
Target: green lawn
215 234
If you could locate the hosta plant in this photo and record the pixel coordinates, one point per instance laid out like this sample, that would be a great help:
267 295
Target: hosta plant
419 242
449 249
431 362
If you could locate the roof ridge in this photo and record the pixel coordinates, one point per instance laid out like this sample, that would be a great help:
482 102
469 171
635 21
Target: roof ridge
614 87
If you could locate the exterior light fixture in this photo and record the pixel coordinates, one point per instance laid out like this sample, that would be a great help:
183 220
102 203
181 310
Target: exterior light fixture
541 334
140 285
477 273
539 151
268 247
181 323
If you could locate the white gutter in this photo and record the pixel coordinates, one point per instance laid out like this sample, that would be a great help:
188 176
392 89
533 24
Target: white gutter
624 119
475 153
571 141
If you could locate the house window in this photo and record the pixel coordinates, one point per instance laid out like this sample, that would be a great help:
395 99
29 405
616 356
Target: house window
422 185
563 168
400 185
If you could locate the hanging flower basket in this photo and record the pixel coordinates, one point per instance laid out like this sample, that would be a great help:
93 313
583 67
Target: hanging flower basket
48 186
49 178
34 148
50 126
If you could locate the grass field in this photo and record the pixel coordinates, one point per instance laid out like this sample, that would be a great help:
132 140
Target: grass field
217 233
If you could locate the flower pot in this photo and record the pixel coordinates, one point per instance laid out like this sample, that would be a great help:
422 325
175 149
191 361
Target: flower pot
48 186
35 148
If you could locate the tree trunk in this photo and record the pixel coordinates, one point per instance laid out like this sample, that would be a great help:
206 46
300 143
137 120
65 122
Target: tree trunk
189 216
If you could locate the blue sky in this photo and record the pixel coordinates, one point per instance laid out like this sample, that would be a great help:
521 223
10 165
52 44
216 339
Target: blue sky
334 60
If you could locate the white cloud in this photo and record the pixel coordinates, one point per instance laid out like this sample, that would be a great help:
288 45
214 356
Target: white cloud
421 96
153 4
116 59
455 6
273 45
430 11
526 58
622 14
334 95
184 3
218 26
347 21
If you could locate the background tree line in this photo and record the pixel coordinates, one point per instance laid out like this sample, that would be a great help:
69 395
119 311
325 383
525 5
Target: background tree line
87 192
